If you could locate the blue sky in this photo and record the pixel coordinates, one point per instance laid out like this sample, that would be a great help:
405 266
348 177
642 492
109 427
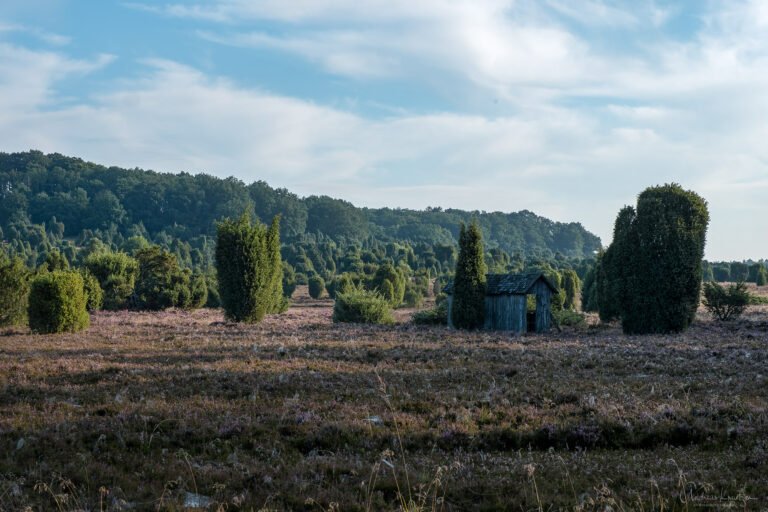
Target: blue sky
567 108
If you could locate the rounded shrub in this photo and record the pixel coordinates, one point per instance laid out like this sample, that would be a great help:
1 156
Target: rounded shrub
362 306
116 273
316 286
93 291
340 284
58 303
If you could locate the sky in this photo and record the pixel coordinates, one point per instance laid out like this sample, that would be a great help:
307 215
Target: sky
568 108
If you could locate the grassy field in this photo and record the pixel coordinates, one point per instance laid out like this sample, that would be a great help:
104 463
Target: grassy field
155 411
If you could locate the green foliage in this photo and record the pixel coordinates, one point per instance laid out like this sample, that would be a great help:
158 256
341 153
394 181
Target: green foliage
387 291
161 283
650 276
571 286
289 280
316 286
246 269
14 289
340 284
726 303
55 261
57 303
589 290
739 271
569 318
274 265
92 290
134 244
468 309
116 273
435 316
758 274
50 200
614 277
212 284
198 289
362 306
390 283
413 296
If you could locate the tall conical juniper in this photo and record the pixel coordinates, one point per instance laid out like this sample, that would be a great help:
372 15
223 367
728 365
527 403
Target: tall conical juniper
248 265
656 259
468 307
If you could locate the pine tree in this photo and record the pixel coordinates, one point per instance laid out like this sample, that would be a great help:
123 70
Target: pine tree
468 308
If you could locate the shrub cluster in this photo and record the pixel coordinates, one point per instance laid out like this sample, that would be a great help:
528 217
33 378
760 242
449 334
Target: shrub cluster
116 273
435 316
58 303
162 284
362 306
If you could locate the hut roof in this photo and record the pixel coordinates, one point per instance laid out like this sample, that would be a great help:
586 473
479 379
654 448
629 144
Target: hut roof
509 284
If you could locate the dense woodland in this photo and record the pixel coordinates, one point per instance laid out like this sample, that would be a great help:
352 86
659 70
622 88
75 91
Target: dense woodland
149 239
56 201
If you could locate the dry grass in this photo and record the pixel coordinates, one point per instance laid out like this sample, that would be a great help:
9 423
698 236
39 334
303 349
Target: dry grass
143 409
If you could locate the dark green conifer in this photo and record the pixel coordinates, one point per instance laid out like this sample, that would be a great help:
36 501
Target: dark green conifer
653 268
468 308
14 290
316 286
246 269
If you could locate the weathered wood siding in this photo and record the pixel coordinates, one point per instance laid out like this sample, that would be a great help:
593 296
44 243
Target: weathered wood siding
505 313
509 312
543 303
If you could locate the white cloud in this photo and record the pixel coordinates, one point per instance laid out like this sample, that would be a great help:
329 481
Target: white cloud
45 36
583 129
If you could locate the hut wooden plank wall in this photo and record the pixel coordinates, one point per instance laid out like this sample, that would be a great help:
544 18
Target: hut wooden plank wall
506 302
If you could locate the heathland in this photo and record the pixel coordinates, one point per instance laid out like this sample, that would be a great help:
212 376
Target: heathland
166 409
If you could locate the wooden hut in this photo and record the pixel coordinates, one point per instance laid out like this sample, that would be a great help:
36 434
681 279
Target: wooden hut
506 302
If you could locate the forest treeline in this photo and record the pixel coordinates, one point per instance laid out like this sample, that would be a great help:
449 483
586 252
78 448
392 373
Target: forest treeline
54 201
